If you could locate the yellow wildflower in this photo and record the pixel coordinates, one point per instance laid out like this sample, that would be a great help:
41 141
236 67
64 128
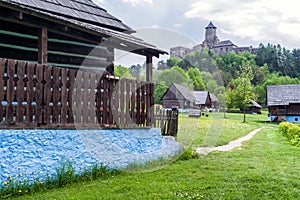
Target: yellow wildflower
5 183
20 191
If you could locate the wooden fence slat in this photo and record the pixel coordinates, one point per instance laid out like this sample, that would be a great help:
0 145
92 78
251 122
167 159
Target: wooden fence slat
143 102
64 96
71 92
10 91
117 103
105 101
79 98
122 102
85 100
129 122
133 112
20 92
56 95
2 68
111 101
93 107
39 94
48 95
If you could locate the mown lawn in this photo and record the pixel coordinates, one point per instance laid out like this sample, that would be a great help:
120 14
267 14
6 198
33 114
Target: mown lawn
215 130
267 167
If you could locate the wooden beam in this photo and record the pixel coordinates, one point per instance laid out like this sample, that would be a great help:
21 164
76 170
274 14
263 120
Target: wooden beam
149 66
43 46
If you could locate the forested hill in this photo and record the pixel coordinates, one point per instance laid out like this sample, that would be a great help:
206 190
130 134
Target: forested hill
221 74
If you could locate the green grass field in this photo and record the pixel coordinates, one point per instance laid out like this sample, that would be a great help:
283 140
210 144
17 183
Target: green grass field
266 167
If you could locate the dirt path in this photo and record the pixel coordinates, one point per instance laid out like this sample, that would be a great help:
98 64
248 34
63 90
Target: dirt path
230 146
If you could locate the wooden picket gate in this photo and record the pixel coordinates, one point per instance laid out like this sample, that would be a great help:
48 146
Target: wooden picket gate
33 95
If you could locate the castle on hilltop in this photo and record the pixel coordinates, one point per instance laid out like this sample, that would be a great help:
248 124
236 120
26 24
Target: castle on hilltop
211 42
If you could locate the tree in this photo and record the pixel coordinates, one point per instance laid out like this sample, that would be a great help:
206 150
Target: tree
244 88
196 78
159 91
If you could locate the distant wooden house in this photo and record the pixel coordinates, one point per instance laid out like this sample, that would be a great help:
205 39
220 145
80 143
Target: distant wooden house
284 102
214 101
179 96
253 107
203 99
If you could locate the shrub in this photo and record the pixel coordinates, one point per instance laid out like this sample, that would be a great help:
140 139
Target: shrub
291 131
189 154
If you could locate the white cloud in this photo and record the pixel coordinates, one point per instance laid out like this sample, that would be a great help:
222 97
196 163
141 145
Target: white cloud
138 2
260 20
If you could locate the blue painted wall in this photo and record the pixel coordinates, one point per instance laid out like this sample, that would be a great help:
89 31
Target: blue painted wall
293 119
38 153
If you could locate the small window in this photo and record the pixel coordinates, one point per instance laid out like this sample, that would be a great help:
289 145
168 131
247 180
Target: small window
296 119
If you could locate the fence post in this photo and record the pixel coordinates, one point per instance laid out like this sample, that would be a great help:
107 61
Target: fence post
173 123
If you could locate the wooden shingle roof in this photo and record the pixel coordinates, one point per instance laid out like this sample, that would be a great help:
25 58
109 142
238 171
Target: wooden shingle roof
81 10
283 94
201 96
185 92
86 16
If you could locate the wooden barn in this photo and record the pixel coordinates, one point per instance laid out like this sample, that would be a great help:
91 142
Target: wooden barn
178 96
214 101
284 102
56 66
203 99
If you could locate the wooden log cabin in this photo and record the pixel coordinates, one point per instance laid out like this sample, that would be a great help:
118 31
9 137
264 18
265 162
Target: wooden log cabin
284 103
51 53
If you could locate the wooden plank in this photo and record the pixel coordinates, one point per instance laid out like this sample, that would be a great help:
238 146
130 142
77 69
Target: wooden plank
99 94
122 102
105 100
56 95
138 105
78 98
64 96
10 91
116 105
39 94
71 93
111 101
151 103
20 92
143 102
129 122
93 107
43 46
48 111
3 63
133 112
85 100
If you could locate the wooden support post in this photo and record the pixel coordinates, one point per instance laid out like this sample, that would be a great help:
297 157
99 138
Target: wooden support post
149 66
43 46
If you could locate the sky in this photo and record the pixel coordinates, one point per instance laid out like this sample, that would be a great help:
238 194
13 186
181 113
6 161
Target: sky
244 22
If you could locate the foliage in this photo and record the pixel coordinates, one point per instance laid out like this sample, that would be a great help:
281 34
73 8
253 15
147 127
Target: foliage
159 91
188 154
291 131
196 77
240 92
65 175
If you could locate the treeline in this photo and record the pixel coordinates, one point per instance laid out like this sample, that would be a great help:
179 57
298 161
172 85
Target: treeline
220 74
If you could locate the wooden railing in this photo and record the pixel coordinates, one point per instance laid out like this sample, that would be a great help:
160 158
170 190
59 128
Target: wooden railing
33 95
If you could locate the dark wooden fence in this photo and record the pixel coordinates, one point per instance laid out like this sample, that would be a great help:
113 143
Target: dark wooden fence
33 95
167 120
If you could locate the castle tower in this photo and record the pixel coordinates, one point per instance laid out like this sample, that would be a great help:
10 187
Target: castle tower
211 37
